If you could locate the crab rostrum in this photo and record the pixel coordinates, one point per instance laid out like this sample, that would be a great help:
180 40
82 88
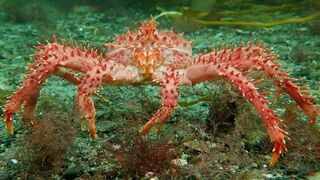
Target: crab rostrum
151 56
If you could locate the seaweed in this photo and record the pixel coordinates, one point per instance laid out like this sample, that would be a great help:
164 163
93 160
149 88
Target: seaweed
213 17
44 148
139 157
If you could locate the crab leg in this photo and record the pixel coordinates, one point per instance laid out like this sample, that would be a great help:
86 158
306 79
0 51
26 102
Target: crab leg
48 61
64 74
204 71
297 93
89 84
29 92
169 97
106 72
261 58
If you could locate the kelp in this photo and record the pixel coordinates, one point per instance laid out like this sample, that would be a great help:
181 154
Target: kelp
215 17
258 24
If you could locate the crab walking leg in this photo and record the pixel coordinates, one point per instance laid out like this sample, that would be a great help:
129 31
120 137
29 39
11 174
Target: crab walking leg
200 72
49 59
29 105
90 82
103 72
64 74
261 58
297 93
29 92
169 97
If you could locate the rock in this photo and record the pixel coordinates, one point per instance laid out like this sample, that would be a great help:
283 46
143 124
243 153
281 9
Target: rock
197 145
5 176
106 126
269 176
180 162
73 172
314 177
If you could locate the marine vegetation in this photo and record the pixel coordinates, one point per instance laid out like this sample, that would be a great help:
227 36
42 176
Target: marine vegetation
154 57
213 13
43 150
138 156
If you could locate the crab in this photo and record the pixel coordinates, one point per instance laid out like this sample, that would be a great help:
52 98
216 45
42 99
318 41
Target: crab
164 58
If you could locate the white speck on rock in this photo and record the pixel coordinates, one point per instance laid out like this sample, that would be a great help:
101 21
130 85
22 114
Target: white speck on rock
14 161
180 162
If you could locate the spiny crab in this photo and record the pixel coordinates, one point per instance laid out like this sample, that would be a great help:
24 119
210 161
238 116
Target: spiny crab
151 56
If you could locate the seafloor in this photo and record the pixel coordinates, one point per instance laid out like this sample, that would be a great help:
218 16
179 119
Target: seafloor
220 137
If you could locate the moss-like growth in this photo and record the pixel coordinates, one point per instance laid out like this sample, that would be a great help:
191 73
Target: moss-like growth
229 112
44 148
139 156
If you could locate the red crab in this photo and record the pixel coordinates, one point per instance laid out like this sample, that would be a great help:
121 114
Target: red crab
151 56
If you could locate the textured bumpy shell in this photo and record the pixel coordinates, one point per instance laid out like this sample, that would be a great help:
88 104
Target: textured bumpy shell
149 49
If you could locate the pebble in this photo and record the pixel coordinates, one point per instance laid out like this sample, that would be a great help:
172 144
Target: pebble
73 172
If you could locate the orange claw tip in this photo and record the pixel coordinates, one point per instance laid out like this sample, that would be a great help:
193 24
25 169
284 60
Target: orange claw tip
274 159
277 150
9 127
144 131
146 128
93 133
